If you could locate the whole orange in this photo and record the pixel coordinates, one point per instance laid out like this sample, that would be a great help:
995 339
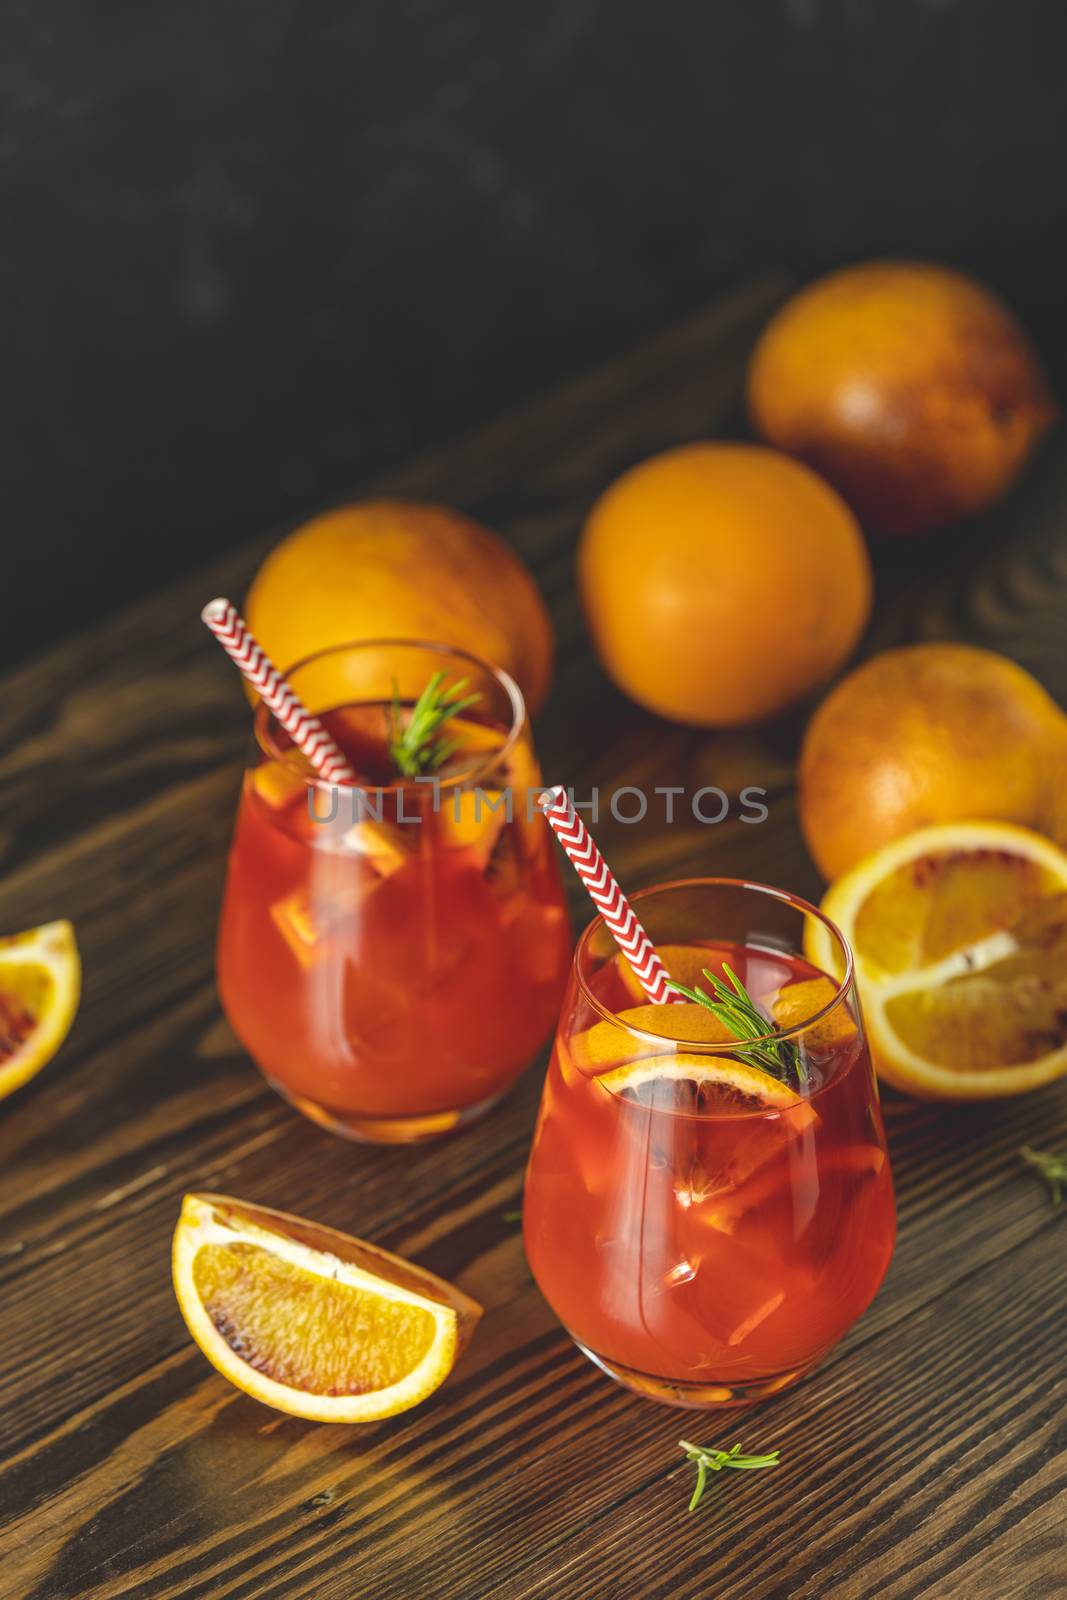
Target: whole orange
923 734
910 387
400 569
722 582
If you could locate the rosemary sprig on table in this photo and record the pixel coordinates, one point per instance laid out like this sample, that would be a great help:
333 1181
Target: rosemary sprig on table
736 1010
1052 1168
707 1461
417 746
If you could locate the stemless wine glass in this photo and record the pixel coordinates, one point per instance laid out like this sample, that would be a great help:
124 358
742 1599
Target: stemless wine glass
393 954
706 1227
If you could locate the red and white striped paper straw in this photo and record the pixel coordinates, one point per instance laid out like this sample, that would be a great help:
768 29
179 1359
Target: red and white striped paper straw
306 731
606 895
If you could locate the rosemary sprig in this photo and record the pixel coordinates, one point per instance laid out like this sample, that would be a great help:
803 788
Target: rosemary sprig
736 1010
707 1461
1052 1168
417 746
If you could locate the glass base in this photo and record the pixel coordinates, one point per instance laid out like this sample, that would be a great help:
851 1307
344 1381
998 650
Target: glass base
693 1396
389 1130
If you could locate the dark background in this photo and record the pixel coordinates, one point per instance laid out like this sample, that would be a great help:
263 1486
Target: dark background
252 251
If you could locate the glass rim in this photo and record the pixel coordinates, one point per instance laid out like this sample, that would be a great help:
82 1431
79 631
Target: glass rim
719 1047
263 719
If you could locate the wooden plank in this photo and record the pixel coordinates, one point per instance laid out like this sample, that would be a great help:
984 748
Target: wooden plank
922 1459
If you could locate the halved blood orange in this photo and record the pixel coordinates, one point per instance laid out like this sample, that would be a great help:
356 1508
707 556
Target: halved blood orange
960 938
40 981
309 1320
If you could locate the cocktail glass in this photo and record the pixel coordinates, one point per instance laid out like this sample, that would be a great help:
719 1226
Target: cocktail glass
704 1231
393 954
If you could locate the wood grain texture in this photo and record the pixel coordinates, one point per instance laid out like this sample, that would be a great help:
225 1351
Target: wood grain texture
925 1458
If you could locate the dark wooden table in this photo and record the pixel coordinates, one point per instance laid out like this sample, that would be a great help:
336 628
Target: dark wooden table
923 1459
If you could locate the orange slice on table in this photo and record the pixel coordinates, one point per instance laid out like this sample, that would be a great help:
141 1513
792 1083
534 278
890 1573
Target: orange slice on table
960 938
40 982
309 1320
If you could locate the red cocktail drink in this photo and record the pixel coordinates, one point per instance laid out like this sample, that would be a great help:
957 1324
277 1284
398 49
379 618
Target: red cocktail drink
704 1229
393 955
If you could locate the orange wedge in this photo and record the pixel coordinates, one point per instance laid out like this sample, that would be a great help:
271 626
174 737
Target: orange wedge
279 782
40 981
792 1006
472 819
605 1043
685 963
960 938
309 1320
